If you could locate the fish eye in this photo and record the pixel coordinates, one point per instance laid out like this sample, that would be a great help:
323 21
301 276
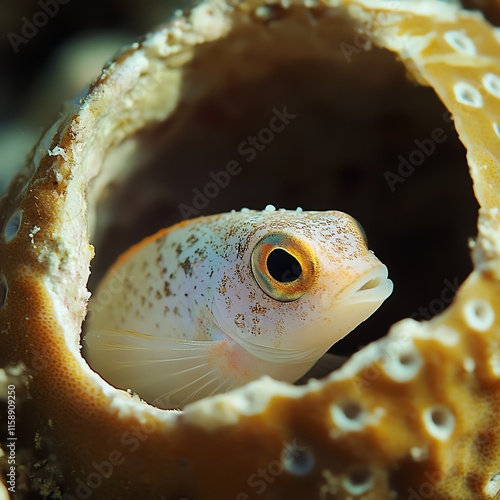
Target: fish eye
283 266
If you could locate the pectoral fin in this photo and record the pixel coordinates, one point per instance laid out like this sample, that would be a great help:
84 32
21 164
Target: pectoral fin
168 373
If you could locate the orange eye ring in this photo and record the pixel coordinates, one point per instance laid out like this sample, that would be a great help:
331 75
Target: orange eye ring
283 266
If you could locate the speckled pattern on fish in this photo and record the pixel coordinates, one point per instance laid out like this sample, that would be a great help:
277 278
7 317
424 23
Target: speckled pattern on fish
212 303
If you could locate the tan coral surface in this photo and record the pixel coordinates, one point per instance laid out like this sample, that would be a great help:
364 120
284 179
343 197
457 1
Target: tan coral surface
414 415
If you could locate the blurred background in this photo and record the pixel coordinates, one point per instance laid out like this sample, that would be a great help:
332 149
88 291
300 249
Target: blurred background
58 59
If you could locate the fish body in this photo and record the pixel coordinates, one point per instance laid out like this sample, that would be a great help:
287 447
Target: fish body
215 302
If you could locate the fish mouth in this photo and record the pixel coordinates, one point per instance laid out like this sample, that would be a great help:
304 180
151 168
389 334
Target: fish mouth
373 286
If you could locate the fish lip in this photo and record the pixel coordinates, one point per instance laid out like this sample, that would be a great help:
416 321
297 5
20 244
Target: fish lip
373 286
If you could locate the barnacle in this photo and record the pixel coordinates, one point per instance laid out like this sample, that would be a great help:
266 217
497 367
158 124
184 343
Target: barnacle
412 415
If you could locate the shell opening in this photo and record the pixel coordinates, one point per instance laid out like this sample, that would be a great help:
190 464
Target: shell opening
215 130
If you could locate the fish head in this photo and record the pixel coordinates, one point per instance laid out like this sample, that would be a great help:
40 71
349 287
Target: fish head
303 282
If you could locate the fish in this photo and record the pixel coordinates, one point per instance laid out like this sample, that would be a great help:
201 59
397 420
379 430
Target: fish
215 302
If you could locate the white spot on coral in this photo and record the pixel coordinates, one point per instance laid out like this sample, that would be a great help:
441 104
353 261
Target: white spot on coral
419 454
208 21
58 151
479 314
495 363
311 3
469 365
32 235
459 41
491 83
359 481
371 354
331 486
405 365
446 335
159 45
45 143
496 128
264 12
12 226
270 208
468 95
439 421
492 488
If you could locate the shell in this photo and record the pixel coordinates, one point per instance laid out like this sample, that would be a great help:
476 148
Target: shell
413 415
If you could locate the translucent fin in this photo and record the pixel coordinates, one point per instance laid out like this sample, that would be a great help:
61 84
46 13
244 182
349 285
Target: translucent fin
323 367
168 373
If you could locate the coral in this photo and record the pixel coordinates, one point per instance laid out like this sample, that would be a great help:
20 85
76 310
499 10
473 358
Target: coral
413 415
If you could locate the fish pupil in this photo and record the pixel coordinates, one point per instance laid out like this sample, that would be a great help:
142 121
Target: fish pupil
282 266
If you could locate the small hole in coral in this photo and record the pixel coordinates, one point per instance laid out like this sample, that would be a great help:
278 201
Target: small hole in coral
407 359
12 226
352 410
359 481
468 95
481 310
439 421
297 460
491 83
3 291
460 42
349 416
479 314
438 417
405 365
360 476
